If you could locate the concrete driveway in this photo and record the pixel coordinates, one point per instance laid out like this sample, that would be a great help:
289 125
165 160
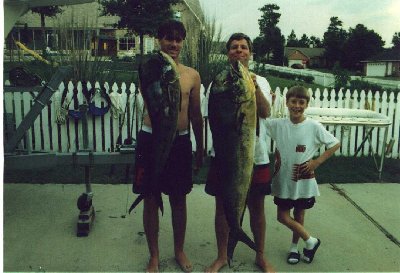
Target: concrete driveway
358 224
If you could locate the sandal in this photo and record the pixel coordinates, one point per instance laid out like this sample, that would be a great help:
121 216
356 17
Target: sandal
309 253
293 258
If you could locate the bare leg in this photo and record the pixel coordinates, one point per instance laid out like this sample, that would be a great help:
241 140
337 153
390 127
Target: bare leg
299 218
151 228
178 208
285 218
222 233
258 225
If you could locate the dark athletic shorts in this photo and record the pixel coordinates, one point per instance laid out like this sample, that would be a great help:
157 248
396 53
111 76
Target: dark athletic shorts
260 184
176 179
302 203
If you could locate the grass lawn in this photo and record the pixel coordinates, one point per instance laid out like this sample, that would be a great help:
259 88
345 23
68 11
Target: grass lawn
282 83
335 170
385 78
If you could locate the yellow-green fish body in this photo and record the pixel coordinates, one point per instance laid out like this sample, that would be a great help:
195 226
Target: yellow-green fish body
232 116
161 91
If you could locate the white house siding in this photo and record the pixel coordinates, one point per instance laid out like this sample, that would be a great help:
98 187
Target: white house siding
376 69
389 69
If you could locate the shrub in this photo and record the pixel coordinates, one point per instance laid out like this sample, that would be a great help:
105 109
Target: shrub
308 79
364 85
342 76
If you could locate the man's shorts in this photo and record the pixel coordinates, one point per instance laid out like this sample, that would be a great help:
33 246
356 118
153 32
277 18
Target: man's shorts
260 184
176 178
302 203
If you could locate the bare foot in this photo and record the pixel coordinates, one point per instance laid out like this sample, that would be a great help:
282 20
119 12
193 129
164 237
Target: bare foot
216 265
264 265
152 266
183 262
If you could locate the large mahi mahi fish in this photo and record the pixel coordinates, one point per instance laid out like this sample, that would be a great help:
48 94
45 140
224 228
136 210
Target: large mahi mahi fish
232 116
160 88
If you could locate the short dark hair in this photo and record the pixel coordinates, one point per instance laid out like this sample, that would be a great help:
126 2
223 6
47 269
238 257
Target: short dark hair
239 36
171 30
298 91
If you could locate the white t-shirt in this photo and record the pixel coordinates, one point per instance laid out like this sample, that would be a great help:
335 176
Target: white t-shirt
296 144
261 148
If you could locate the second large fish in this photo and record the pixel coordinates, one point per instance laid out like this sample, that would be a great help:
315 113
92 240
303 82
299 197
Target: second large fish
160 88
232 116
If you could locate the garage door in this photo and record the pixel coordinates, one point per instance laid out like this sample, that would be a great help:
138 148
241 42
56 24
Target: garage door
376 69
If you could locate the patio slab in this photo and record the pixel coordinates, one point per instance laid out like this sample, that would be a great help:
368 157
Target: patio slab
40 231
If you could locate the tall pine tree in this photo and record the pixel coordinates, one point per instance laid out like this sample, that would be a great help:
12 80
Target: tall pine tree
271 37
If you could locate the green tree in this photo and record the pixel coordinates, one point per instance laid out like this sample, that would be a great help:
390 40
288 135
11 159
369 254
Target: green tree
334 39
139 16
292 39
315 42
304 41
360 45
396 40
259 49
48 11
271 35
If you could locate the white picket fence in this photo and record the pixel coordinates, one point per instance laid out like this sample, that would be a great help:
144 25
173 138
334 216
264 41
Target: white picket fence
124 118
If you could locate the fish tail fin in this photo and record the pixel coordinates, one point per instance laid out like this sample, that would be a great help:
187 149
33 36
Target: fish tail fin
232 242
233 239
141 197
136 202
160 204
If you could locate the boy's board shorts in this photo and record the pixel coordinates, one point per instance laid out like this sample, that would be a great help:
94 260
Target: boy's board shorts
287 204
176 178
260 183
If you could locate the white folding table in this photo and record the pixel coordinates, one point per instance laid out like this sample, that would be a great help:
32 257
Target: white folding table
355 117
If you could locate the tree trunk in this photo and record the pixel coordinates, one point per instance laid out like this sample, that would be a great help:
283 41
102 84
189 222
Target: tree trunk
43 25
141 38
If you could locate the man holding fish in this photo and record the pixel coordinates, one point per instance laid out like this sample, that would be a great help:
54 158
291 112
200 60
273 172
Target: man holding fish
237 107
171 92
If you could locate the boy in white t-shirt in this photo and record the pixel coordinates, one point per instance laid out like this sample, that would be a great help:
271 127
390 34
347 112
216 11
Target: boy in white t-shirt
297 139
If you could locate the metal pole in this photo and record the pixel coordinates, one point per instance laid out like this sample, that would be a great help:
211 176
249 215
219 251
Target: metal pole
383 152
365 139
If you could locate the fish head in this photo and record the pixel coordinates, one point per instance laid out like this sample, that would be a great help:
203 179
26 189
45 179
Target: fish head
240 79
157 69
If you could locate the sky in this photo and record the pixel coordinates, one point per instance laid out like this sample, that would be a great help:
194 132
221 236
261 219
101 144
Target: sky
311 17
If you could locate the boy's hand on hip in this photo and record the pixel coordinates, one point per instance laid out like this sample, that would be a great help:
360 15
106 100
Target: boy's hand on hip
310 166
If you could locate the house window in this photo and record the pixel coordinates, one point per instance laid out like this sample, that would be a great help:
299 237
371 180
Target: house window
126 43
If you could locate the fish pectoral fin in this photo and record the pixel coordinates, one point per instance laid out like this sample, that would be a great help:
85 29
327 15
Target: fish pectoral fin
240 119
136 202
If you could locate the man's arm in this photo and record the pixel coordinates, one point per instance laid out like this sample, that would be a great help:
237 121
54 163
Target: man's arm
263 106
197 119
